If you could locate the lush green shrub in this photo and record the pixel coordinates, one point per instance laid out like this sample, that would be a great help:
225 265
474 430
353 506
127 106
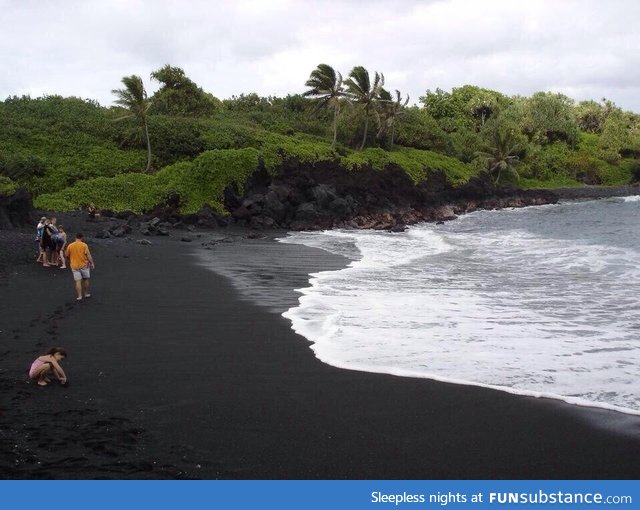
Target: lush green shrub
466 107
633 167
374 157
7 186
583 167
614 175
173 139
223 133
549 118
416 163
199 182
350 126
87 162
179 96
417 129
620 136
276 149
21 167
292 114
545 162
70 151
204 180
464 144
590 164
46 144
125 192
53 116
554 181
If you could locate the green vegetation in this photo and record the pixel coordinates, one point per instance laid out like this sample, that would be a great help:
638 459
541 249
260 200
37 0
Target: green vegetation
365 94
544 141
326 86
179 96
50 143
198 182
135 192
417 163
276 149
391 112
7 186
502 153
69 151
133 99
203 180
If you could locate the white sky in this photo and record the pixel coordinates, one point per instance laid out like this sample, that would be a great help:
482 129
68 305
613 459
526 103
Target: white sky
585 49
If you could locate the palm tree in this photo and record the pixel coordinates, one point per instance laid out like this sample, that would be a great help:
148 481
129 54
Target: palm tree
326 86
501 154
363 92
134 99
392 110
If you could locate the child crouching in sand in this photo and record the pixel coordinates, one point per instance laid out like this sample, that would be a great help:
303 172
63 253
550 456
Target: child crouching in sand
48 363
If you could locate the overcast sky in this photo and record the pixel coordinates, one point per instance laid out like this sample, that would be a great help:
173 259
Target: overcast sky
585 49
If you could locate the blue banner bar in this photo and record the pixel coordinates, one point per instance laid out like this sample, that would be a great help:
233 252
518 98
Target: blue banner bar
310 495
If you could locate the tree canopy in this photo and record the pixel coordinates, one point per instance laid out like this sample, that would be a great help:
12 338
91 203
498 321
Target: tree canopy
326 87
365 93
133 98
53 144
180 96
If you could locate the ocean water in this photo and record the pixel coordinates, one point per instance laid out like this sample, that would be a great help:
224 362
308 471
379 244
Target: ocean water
541 301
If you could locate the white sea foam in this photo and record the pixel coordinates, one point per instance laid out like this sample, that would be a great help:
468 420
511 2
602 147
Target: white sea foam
634 198
487 301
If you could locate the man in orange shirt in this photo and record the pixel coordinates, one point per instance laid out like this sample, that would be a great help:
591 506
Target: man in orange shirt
80 262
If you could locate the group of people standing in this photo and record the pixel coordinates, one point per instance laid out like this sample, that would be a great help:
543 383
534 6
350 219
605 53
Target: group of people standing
55 251
52 240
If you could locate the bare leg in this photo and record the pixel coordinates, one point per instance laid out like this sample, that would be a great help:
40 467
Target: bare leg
78 289
41 375
85 287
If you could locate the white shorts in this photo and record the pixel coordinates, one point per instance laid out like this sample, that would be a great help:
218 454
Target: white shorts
81 274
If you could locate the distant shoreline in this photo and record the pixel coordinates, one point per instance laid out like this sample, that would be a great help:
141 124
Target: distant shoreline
595 192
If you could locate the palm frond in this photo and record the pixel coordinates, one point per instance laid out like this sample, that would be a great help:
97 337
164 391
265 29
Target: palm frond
133 97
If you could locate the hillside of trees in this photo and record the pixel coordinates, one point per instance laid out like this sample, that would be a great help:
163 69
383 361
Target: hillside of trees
69 152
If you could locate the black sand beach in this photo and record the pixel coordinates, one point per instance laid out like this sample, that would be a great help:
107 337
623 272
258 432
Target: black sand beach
177 372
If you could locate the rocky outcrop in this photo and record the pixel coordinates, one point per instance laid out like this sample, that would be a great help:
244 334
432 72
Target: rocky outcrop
312 197
16 209
323 197
119 229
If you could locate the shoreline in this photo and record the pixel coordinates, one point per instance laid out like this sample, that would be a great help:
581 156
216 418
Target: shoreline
614 421
418 374
596 192
174 374
334 262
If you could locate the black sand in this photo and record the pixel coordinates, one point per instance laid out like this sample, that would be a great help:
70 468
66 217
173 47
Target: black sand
175 374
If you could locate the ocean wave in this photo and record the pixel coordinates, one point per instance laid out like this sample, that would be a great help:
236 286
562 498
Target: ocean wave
485 302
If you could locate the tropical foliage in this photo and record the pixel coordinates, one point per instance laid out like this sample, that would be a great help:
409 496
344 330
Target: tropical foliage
325 85
7 186
133 99
365 94
391 112
180 96
69 151
501 154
